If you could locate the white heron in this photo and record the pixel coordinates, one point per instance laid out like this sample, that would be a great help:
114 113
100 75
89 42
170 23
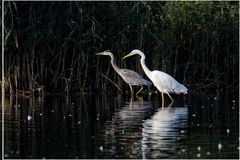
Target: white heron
162 81
132 78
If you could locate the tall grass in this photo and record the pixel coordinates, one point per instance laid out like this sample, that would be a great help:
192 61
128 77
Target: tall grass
50 46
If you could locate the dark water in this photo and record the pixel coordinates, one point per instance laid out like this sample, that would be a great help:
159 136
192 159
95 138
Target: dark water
103 126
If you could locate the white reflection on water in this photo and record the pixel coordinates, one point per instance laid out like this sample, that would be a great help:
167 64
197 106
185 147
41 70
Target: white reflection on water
91 127
137 131
123 133
160 132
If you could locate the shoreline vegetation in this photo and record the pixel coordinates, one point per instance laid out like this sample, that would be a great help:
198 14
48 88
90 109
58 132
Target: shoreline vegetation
50 46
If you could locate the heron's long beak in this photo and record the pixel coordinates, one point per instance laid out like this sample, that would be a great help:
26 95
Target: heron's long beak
128 55
100 53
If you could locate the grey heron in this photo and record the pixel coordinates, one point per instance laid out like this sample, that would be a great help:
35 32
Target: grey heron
132 78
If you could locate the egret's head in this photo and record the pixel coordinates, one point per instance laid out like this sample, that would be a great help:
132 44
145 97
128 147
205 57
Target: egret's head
104 53
133 52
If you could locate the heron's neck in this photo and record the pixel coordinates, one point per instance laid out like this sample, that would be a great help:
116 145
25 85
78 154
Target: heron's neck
146 70
114 64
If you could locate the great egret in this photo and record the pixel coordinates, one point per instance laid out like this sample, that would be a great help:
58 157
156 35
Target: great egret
162 81
132 78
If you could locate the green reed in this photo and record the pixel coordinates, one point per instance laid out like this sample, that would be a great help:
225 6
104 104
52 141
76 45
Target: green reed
50 46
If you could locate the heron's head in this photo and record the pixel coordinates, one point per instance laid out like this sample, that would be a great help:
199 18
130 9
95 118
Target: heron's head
133 52
104 53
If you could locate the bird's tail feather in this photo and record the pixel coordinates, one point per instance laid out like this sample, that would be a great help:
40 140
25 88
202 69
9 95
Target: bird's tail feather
184 89
181 89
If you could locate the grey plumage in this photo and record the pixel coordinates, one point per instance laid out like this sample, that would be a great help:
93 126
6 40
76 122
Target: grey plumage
130 77
133 78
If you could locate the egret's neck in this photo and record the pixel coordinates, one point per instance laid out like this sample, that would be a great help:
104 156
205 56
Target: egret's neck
146 70
114 64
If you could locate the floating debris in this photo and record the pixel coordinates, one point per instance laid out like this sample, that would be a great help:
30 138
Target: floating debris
202 106
198 155
101 148
183 150
199 148
208 153
182 131
233 101
52 110
29 118
79 122
228 130
70 115
97 118
220 146
40 114
18 105
215 98
198 124
194 115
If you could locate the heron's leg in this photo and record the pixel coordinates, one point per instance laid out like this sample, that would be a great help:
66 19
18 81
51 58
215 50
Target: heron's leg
131 90
162 100
130 103
139 90
170 97
149 93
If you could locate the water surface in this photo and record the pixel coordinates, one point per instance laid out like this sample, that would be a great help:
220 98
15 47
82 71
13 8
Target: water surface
103 126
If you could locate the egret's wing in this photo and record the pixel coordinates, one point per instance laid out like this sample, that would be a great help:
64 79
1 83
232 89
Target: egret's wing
167 83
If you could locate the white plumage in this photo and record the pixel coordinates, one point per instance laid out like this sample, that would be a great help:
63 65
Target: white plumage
162 81
166 83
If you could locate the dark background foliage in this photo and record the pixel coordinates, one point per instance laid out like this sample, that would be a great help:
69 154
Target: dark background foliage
51 45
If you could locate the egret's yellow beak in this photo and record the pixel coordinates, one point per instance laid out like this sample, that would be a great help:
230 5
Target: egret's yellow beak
128 55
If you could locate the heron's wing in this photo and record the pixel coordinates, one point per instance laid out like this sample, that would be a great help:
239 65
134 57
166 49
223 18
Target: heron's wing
133 78
131 74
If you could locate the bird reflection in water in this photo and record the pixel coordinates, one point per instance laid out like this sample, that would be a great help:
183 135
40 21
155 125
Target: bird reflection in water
161 132
123 133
